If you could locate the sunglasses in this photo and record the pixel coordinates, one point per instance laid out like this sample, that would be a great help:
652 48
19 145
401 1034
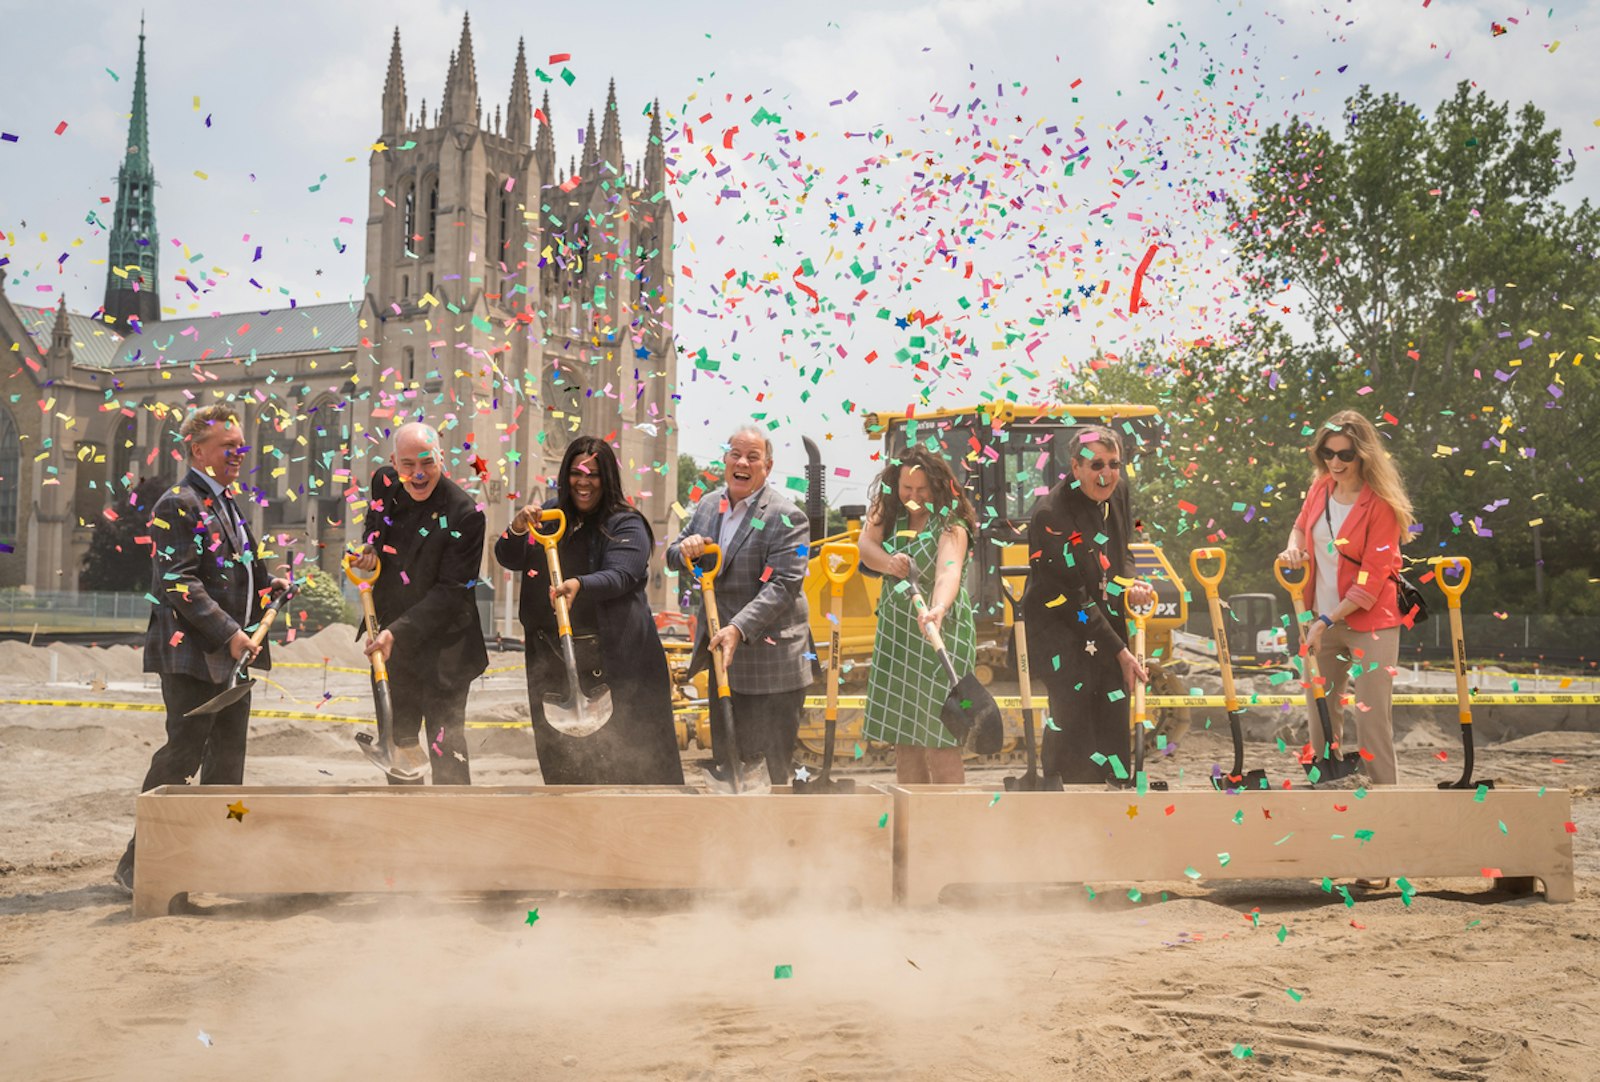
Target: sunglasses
1101 464
1328 454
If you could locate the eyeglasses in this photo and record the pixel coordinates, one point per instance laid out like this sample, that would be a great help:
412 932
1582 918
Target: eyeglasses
1328 454
1101 464
734 457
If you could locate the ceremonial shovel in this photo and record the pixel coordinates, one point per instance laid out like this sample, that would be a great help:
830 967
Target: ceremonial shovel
1458 651
1238 777
572 714
1030 782
839 561
240 682
969 711
736 778
383 752
1332 763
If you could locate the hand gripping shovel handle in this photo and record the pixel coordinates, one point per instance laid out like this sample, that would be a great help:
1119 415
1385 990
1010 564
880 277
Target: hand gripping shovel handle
931 631
239 681
550 539
383 754
723 694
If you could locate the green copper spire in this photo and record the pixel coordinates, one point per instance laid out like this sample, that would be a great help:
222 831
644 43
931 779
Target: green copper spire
133 276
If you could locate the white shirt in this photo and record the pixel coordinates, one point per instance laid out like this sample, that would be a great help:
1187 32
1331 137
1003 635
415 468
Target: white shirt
734 518
241 539
1327 553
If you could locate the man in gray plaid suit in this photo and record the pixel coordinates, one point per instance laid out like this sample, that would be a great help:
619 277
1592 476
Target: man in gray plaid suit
766 635
209 580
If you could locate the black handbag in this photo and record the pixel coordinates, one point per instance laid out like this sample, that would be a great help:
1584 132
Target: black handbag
1408 598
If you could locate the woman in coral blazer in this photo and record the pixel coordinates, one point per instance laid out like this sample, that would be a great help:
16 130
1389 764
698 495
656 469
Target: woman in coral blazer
1355 517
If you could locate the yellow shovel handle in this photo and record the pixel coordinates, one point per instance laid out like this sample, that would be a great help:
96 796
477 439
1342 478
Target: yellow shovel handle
361 579
1453 593
840 559
1293 587
1209 582
553 561
711 573
551 539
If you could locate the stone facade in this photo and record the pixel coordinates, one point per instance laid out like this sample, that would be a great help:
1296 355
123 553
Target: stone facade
509 302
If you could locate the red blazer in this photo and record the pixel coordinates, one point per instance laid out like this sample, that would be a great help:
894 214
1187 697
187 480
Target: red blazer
1371 536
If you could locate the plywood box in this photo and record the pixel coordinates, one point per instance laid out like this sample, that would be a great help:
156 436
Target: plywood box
947 835
404 839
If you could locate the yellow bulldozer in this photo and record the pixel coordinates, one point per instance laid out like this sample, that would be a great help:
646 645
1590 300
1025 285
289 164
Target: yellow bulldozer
1006 456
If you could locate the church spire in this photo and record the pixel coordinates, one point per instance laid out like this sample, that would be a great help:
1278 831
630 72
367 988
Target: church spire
394 91
611 132
132 277
519 117
461 88
590 155
655 174
544 151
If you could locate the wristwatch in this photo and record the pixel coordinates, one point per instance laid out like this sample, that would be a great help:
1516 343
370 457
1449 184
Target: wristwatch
1325 619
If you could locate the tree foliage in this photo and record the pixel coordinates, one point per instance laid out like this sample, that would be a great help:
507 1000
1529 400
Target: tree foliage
116 562
1450 296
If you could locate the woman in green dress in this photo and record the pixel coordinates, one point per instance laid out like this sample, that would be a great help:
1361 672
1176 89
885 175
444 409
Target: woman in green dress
920 522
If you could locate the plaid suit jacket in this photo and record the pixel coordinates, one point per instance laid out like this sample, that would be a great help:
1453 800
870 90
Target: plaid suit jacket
202 584
758 591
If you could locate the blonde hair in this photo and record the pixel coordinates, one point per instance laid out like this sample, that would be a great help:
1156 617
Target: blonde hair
202 422
1377 466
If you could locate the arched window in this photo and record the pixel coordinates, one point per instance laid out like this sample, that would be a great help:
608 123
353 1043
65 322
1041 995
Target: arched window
171 454
491 240
267 454
405 286
323 450
124 438
502 254
10 476
408 216
433 215
408 364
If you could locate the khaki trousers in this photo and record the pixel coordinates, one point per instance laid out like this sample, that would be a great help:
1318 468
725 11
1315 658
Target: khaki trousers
1372 656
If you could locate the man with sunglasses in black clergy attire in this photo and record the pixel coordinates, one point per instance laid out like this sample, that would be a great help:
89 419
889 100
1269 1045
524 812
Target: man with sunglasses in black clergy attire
1075 608
209 581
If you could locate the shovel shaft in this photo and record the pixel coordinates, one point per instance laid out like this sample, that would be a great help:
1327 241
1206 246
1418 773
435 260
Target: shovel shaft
380 668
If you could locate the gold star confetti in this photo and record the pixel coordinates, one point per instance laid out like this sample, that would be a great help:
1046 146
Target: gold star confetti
237 810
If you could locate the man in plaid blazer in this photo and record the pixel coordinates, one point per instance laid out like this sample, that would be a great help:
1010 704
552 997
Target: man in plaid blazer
766 634
209 580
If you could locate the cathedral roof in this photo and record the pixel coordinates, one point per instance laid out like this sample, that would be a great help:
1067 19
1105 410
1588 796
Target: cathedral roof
311 328
93 342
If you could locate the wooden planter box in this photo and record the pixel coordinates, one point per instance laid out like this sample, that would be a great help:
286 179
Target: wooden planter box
403 839
946 835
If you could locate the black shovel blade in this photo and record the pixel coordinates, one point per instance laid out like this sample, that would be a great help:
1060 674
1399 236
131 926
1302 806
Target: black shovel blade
971 715
1252 780
219 703
751 779
385 761
821 784
1340 766
1034 783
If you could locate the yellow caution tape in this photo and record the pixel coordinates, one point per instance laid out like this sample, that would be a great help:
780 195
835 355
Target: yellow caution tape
1488 698
363 672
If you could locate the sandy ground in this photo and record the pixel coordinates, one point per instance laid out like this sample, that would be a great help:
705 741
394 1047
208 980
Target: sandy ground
1044 982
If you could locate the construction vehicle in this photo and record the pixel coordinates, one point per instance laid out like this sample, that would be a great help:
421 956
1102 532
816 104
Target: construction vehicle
1006 456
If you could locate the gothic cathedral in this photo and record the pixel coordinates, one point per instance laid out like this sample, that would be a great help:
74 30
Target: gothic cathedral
509 301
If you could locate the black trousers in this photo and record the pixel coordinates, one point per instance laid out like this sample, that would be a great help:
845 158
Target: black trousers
1088 722
208 749
766 726
439 717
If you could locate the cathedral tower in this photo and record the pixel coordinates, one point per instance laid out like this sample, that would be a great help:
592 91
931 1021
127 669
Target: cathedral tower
133 289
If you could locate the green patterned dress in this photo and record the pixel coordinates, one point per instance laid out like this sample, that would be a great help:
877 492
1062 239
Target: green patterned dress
907 684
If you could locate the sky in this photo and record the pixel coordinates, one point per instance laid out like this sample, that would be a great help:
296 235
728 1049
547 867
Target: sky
989 173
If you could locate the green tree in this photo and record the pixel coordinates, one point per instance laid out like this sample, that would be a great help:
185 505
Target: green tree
115 562
695 478
1450 294
321 598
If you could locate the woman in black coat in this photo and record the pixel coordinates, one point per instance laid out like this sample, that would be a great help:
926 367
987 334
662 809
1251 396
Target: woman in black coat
605 559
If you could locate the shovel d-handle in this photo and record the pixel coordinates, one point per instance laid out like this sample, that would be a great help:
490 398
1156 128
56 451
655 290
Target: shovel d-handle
1218 630
364 581
1458 646
549 539
1452 592
840 560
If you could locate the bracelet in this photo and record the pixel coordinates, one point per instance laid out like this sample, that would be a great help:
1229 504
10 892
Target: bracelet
1324 618
519 533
